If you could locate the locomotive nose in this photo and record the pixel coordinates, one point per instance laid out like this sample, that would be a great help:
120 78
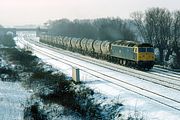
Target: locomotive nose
146 57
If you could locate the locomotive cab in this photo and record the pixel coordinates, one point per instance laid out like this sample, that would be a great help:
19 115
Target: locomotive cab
145 56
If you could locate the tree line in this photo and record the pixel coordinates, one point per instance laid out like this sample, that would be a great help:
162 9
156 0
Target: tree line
102 28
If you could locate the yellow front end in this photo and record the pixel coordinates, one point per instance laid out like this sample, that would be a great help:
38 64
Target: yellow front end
145 56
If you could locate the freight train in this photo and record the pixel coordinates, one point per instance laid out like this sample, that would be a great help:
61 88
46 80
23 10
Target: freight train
127 53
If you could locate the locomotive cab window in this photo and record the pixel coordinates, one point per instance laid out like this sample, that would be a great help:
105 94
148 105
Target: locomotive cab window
150 49
142 50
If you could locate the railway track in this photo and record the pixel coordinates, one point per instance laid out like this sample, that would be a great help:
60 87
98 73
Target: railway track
160 98
163 68
171 76
166 72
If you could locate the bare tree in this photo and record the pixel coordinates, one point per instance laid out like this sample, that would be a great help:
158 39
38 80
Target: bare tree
138 18
155 27
175 41
158 24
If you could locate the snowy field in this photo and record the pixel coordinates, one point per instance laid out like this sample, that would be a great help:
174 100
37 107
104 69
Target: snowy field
12 99
149 109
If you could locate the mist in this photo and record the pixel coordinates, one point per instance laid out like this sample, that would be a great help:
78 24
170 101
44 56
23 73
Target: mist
20 12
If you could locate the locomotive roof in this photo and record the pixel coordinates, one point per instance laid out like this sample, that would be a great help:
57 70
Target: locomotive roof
145 45
131 43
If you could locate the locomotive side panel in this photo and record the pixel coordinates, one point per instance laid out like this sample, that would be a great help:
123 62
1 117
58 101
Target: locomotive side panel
123 52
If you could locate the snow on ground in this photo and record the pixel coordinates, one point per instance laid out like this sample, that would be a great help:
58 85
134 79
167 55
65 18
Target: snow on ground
12 99
133 102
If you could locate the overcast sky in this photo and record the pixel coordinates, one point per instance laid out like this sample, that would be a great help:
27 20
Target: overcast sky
20 12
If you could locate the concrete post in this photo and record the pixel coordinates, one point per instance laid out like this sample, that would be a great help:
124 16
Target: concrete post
76 74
